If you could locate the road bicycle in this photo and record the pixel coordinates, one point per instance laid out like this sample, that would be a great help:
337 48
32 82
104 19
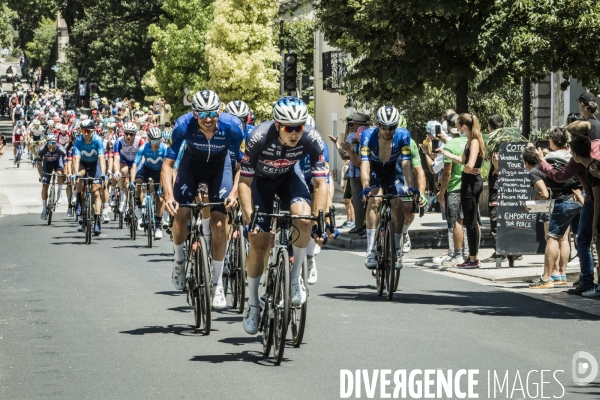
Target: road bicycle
87 212
130 218
197 264
51 203
277 312
148 211
117 214
19 155
234 270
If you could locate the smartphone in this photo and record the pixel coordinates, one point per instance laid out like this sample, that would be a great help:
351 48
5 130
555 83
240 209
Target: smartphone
542 144
438 130
434 145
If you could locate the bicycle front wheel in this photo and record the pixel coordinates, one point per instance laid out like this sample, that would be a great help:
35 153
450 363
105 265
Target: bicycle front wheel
149 221
281 302
379 271
50 205
390 260
298 315
241 270
193 264
205 284
89 218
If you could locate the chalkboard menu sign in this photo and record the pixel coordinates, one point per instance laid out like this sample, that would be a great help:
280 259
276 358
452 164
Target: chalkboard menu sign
518 232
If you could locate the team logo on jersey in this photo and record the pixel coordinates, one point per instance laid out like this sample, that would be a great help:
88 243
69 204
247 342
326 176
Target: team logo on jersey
321 158
327 167
365 151
243 146
406 150
279 164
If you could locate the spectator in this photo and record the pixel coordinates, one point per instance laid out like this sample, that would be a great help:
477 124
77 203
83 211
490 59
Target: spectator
82 93
165 115
584 235
581 147
572 117
93 87
588 107
347 197
495 123
471 183
565 210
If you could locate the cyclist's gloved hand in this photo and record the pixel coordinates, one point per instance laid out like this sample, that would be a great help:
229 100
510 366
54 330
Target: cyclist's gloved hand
247 229
331 232
131 185
104 177
39 180
364 192
414 192
73 177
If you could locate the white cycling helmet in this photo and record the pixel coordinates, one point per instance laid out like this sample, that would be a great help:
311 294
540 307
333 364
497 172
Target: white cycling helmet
238 108
388 115
51 137
154 134
130 127
310 121
206 100
290 111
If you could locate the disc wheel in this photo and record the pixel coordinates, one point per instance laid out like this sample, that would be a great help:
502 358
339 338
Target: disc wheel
281 302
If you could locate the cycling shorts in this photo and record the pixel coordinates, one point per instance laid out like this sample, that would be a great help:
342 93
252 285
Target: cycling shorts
49 167
290 187
216 174
393 176
92 170
146 173
124 162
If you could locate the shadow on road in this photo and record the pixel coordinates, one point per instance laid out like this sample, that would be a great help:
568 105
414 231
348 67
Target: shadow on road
182 330
246 356
181 309
240 341
172 293
496 304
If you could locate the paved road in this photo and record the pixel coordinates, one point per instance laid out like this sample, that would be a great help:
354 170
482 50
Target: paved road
103 322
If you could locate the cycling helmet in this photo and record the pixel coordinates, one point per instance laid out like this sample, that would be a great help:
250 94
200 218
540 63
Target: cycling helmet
238 108
63 127
130 127
167 135
388 115
19 123
310 121
251 118
88 124
290 111
402 122
154 134
206 100
50 123
145 109
37 122
51 137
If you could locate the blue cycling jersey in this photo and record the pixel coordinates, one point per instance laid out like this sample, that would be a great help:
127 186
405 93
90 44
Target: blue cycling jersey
88 152
228 134
306 166
369 150
152 159
180 155
231 152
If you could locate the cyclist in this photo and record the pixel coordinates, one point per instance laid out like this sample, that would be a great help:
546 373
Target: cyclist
385 153
18 137
269 167
69 171
126 149
36 132
17 114
153 153
209 135
50 158
88 161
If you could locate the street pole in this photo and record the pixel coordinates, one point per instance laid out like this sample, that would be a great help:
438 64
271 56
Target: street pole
282 69
526 107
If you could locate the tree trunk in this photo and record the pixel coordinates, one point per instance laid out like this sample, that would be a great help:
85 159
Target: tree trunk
462 93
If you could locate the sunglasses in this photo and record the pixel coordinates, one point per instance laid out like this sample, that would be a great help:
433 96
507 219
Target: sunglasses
129 134
205 114
87 131
51 143
155 142
292 129
388 127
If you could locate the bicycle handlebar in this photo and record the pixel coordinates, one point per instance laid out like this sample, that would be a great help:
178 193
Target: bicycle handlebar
286 215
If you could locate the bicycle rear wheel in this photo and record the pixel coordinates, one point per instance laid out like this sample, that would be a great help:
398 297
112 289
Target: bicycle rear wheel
149 220
298 315
390 260
281 300
205 284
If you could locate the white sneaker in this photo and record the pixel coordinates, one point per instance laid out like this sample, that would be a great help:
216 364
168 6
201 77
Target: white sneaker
453 261
407 246
399 261
440 259
593 292
317 249
312 270
178 275
122 207
371 260
138 215
298 291
251 319
105 218
218 297
44 215
574 262
157 234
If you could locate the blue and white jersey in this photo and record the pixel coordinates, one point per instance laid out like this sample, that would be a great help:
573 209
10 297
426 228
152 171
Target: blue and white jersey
228 135
369 150
180 155
306 166
127 153
152 159
232 154
88 152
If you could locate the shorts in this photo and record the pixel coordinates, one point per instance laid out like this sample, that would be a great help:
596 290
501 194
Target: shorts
453 208
561 217
123 162
393 176
146 173
216 174
348 191
49 167
290 187
92 170
545 217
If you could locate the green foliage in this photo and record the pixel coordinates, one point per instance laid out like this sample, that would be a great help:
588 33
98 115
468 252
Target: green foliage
44 39
67 76
29 16
7 32
179 49
241 54
299 37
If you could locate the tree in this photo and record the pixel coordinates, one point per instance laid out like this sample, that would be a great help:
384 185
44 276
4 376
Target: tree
241 53
44 40
179 48
29 15
299 36
7 32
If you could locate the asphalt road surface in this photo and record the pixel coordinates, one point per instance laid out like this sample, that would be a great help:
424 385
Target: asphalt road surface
102 321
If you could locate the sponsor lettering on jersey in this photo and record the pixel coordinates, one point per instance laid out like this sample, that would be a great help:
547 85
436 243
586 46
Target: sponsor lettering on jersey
243 146
365 151
279 164
406 150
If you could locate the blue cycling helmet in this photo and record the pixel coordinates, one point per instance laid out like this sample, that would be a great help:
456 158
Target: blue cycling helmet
167 135
290 111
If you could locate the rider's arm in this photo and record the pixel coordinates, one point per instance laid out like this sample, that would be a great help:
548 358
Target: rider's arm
365 172
76 159
102 163
408 173
421 181
321 195
166 178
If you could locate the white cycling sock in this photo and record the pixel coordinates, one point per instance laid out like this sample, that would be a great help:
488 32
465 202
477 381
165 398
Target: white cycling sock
104 206
405 229
397 237
123 193
253 284
179 254
218 272
206 226
299 255
59 191
312 245
44 205
370 239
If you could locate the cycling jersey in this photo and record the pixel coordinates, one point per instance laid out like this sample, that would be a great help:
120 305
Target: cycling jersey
152 159
18 133
266 157
369 150
127 152
88 152
47 156
180 155
229 134
36 133
63 139
232 154
305 166
69 149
